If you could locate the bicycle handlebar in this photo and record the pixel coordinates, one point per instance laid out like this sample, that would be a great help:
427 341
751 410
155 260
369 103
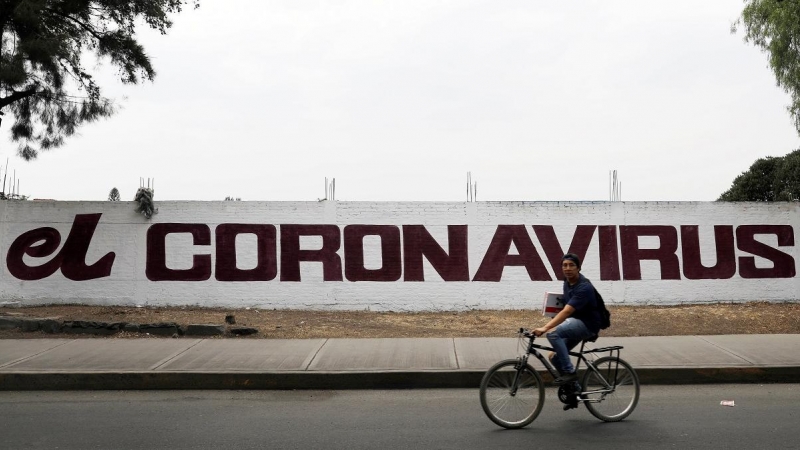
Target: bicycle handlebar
526 332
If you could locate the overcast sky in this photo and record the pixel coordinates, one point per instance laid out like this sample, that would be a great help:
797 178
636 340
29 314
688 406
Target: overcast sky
398 100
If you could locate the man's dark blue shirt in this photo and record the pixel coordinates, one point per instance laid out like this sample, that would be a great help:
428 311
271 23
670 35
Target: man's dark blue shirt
581 297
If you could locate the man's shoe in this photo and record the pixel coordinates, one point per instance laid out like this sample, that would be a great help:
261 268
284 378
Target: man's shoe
564 379
574 400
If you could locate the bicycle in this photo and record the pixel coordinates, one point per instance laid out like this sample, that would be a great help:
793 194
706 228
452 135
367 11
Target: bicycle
512 392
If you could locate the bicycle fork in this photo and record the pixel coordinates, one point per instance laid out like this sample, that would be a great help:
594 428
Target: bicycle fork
522 361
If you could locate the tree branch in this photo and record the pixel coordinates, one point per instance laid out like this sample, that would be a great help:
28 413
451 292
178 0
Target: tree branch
89 29
17 95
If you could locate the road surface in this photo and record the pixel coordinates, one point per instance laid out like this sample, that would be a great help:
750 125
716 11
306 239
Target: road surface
676 417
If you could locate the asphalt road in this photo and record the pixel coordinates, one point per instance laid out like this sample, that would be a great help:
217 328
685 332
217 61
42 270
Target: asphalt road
764 416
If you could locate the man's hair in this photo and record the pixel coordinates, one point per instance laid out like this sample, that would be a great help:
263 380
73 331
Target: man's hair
572 257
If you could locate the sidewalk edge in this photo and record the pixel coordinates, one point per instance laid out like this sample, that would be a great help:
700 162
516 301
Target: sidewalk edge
24 381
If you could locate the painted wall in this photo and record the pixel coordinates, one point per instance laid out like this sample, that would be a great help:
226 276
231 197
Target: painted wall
393 256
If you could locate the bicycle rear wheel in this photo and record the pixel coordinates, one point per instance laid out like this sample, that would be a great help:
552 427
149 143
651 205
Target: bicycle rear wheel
505 406
618 402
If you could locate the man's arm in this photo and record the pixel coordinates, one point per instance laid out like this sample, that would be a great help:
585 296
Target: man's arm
555 321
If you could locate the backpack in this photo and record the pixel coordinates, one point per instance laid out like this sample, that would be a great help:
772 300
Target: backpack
605 315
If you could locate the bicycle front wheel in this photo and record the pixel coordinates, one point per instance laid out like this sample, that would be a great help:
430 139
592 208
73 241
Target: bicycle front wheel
512 397
612 392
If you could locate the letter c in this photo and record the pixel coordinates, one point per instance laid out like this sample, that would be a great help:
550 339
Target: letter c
156 267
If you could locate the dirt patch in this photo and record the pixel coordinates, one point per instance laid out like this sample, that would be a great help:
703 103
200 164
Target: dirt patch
742 318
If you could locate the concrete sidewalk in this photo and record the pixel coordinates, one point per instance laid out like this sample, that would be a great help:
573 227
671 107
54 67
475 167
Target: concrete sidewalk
59 364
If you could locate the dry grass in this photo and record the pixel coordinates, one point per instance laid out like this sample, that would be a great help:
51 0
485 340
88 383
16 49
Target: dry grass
743 318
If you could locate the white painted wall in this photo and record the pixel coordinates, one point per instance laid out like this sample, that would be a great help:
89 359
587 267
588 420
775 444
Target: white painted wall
124 232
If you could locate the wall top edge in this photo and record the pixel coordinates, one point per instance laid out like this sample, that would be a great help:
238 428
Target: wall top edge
432 202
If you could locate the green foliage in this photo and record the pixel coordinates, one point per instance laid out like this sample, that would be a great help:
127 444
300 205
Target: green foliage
113 196
774 26
144 198
4 196
787 178
43 81
771 179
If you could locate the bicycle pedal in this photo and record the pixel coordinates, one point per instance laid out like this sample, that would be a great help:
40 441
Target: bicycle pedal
570 406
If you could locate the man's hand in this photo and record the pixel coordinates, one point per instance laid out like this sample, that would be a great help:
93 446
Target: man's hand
555 321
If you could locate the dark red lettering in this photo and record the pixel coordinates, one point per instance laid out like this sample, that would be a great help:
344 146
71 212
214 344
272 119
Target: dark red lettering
665 254
609 252
71 259
693 267
497 257
291 255
782 263
25 245
553 250
266 250
156 266
452 265
391 267
74 265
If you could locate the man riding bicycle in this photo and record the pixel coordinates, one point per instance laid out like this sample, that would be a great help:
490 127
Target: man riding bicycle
512 391
579 320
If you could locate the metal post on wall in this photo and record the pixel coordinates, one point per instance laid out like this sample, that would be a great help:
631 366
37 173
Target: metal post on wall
472 188
614 187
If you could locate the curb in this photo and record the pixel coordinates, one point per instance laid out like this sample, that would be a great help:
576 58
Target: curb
462 379
724 375
37 381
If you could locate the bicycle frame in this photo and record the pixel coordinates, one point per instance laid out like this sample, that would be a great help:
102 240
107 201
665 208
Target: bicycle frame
533 349
512 392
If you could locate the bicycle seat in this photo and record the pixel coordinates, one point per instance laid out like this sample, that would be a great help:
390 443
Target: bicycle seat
592 338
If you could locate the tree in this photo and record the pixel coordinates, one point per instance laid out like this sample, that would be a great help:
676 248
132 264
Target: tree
774 26
113 196
43 79
768 180
787 178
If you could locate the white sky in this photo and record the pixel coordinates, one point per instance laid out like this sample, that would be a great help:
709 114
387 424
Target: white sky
398 100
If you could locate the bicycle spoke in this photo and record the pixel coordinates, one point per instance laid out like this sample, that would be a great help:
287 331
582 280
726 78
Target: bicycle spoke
618 401
506 408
